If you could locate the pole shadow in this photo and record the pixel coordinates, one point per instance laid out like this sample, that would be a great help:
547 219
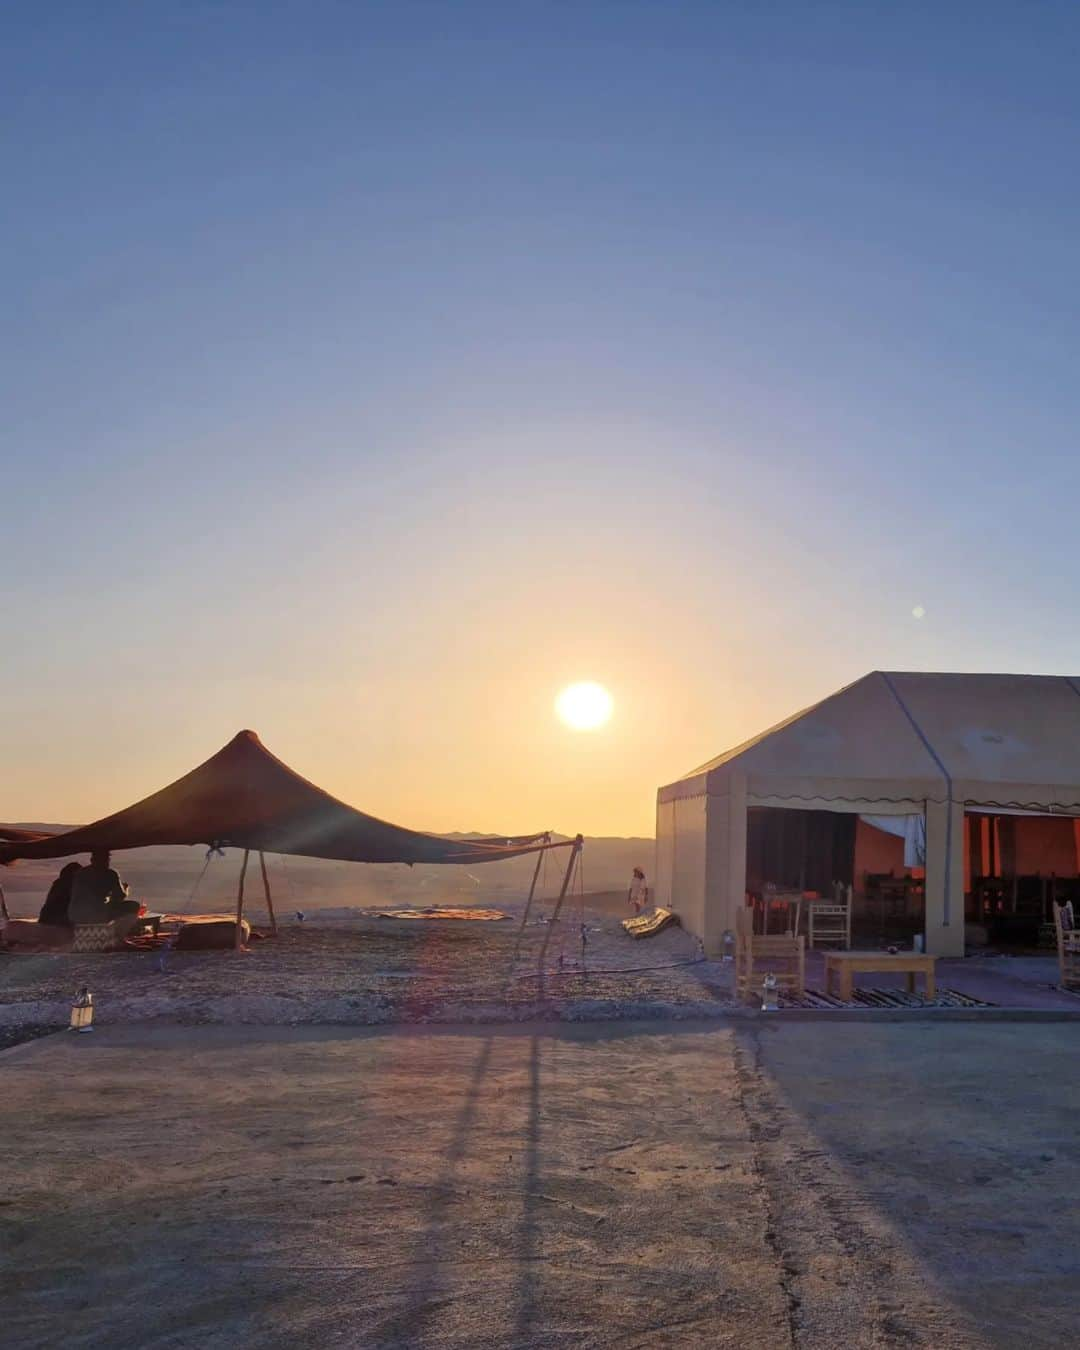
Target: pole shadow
527 1244
412 1325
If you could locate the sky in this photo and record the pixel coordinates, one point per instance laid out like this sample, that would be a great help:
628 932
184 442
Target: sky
372 371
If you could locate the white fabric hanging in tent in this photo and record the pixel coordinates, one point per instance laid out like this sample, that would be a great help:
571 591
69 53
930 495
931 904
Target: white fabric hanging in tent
911 829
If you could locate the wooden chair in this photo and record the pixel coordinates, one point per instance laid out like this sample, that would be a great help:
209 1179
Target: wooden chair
756 954
830 921
1068 945
892 895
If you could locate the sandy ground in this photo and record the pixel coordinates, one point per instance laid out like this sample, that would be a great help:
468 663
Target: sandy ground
372 972
807 1186
957 1145
364 970
368 971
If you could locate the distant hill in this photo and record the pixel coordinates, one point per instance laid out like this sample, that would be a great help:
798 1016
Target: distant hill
181 878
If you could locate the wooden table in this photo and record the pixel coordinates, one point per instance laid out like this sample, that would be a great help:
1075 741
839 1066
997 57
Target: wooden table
846 964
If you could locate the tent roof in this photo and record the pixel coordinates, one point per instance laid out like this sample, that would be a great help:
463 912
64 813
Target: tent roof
1010 740
245 797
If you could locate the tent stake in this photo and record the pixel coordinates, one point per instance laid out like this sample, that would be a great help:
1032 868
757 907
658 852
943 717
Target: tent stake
240 902
266 888
578 842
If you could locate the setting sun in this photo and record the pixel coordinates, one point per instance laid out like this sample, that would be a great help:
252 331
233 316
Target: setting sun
584 706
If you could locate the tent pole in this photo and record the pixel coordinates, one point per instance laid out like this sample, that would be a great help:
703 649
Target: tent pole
528 907
578 842
3 906
240 902
266 888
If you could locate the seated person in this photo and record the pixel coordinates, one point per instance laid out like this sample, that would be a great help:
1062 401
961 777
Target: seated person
55 909
99 896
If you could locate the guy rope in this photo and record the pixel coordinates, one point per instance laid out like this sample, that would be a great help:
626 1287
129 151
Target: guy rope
539 872
575 853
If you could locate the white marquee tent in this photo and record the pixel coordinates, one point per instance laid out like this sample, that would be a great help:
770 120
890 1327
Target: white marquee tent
890 744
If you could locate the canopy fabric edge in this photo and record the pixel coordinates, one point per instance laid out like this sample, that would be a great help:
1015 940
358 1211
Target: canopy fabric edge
245 797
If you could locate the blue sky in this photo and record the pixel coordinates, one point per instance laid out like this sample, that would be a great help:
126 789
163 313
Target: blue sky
370 370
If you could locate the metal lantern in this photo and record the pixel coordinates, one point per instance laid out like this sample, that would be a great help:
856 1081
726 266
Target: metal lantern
82 1011
768 993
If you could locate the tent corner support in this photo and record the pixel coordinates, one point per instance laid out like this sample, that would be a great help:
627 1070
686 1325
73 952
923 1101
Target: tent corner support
240 902
269 897
575 853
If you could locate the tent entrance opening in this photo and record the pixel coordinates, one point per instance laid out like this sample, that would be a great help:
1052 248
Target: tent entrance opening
1015 866
810 851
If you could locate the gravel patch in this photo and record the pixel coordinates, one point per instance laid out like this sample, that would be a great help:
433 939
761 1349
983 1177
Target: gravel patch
16 1033
369 971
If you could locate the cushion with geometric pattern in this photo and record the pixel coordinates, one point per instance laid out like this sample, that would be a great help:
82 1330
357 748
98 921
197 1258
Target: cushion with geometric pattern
94 937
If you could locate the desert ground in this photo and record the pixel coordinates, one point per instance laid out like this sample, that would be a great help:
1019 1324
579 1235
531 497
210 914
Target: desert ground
367 970
383 1133
808 1185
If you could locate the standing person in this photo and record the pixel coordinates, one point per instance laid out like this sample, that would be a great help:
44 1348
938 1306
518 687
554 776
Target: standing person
98 895
55 909
638 894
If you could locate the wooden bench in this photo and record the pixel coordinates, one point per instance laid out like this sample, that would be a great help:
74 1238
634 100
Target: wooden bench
847 964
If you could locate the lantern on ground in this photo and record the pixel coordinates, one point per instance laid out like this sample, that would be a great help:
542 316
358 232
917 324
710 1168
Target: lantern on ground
82 1011
769 1001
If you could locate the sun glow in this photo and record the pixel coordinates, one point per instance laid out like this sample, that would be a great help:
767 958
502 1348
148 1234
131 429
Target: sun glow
584 706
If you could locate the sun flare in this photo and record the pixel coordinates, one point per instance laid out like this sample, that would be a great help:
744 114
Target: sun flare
584 706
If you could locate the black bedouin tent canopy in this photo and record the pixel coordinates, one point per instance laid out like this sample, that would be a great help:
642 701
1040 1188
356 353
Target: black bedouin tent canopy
245 797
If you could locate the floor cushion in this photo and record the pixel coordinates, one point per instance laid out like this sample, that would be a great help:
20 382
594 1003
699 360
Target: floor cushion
211 935
94 937
38 936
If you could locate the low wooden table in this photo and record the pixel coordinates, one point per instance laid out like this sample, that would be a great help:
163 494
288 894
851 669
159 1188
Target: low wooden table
846 964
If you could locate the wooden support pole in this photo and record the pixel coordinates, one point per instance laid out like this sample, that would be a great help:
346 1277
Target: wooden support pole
240 902
269 898
3 906
574 852
525 916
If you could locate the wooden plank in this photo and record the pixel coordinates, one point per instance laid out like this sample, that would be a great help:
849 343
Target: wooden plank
880 960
